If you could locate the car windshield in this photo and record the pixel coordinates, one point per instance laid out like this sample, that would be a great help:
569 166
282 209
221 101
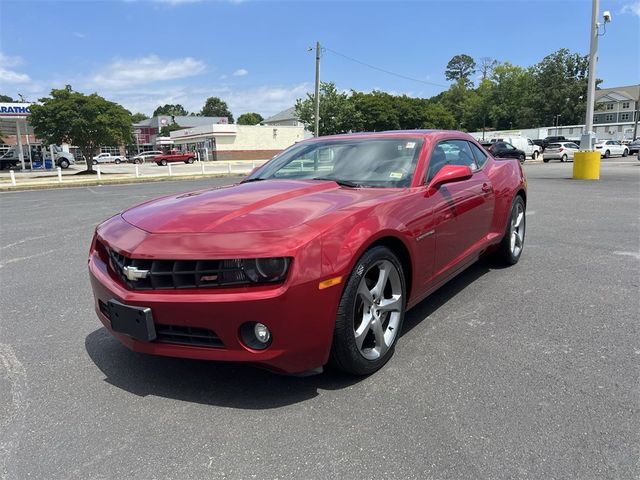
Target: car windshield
354 162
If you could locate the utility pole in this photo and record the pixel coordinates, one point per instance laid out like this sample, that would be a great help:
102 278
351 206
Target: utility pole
588 136
317 96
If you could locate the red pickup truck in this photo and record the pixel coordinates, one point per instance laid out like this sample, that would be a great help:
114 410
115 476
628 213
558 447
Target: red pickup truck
188 157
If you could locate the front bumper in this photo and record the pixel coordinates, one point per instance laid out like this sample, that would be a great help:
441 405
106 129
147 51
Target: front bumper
301 319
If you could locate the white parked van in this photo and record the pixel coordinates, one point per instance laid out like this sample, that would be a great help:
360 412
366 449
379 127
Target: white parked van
523 143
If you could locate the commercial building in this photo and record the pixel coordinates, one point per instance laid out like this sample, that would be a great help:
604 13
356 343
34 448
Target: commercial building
284 118
237 142
147 132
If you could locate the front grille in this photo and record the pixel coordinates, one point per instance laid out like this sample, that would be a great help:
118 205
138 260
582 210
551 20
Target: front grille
188 336
178 274
178 334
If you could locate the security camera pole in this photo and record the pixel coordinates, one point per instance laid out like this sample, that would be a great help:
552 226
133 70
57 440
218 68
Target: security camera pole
587 140
317 97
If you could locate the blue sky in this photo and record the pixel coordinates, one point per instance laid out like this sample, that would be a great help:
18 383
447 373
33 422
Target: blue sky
253 54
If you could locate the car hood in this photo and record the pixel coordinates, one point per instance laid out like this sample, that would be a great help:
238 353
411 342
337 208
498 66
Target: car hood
268 205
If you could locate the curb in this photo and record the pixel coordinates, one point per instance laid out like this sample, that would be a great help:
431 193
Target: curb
114 181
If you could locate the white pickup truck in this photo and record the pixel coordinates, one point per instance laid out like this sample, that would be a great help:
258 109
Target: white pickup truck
108 158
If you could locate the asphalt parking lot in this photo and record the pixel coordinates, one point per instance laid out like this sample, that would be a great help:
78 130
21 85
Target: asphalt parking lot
526 372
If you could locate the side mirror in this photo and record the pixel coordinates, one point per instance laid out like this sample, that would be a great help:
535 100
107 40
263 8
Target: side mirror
449 174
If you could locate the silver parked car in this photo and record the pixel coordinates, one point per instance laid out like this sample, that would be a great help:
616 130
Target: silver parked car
144 156
562 151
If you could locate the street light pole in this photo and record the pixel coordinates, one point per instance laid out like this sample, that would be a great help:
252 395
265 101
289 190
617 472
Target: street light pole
588 136
317 96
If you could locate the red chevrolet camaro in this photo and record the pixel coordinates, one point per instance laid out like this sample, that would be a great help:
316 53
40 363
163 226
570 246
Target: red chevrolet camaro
314 257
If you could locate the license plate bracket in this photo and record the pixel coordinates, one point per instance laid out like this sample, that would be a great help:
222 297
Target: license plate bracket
136 322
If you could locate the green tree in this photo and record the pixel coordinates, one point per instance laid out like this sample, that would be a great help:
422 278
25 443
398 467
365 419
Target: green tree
138 117
337 113
176 110
214 107
560 87
250 118
167 129
460 67
6 98
376 111
86 121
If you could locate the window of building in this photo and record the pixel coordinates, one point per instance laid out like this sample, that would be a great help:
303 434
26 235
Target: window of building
110 150
608 117
609 106
624 116
625 104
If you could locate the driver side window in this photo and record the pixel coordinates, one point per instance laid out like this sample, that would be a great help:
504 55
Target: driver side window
450 152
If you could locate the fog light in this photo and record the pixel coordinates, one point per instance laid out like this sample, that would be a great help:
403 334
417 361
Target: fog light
262 333
255 335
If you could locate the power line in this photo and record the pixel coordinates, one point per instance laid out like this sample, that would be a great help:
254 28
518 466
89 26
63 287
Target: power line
382 69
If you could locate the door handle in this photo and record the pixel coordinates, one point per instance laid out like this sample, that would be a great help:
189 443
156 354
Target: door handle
486 188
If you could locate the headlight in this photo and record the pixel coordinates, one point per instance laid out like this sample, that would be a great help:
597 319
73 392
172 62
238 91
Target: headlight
266 269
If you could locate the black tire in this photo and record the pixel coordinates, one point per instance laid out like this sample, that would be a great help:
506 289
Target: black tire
564 158
189 160
118 161
163 163
137 161
94 162
607 154
345 354
535 155
63 163
505 254
625 153
545 160
522 157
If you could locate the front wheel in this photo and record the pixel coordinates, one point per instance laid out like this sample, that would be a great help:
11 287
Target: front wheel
163 163
521 158
370 313
607 154
64 163
625 153
95 162
189 160
535 155
118 161
545 160
512 243
564 158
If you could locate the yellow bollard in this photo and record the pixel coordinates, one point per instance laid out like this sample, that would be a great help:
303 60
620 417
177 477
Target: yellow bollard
586 165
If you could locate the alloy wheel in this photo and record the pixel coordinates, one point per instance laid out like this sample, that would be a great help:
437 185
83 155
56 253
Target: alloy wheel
378 310
517 230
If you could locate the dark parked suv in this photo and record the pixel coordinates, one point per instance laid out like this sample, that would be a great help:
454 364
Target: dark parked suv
506 150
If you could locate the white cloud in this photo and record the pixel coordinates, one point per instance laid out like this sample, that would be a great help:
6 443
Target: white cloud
79 35
123 73
9 76
241 72
9 61
633 8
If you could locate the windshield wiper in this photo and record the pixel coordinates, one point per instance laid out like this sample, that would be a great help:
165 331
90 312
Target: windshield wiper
342 183
256 179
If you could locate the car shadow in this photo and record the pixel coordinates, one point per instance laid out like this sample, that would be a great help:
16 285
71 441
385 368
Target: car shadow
237 385
211 383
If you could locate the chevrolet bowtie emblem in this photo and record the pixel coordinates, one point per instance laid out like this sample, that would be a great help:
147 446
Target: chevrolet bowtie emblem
134 273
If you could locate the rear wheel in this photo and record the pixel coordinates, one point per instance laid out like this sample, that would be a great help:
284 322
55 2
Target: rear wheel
521 157
512 243
545 160
625 153
189 160
564 158
535 155
370 313
118 161
607 154
95 162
